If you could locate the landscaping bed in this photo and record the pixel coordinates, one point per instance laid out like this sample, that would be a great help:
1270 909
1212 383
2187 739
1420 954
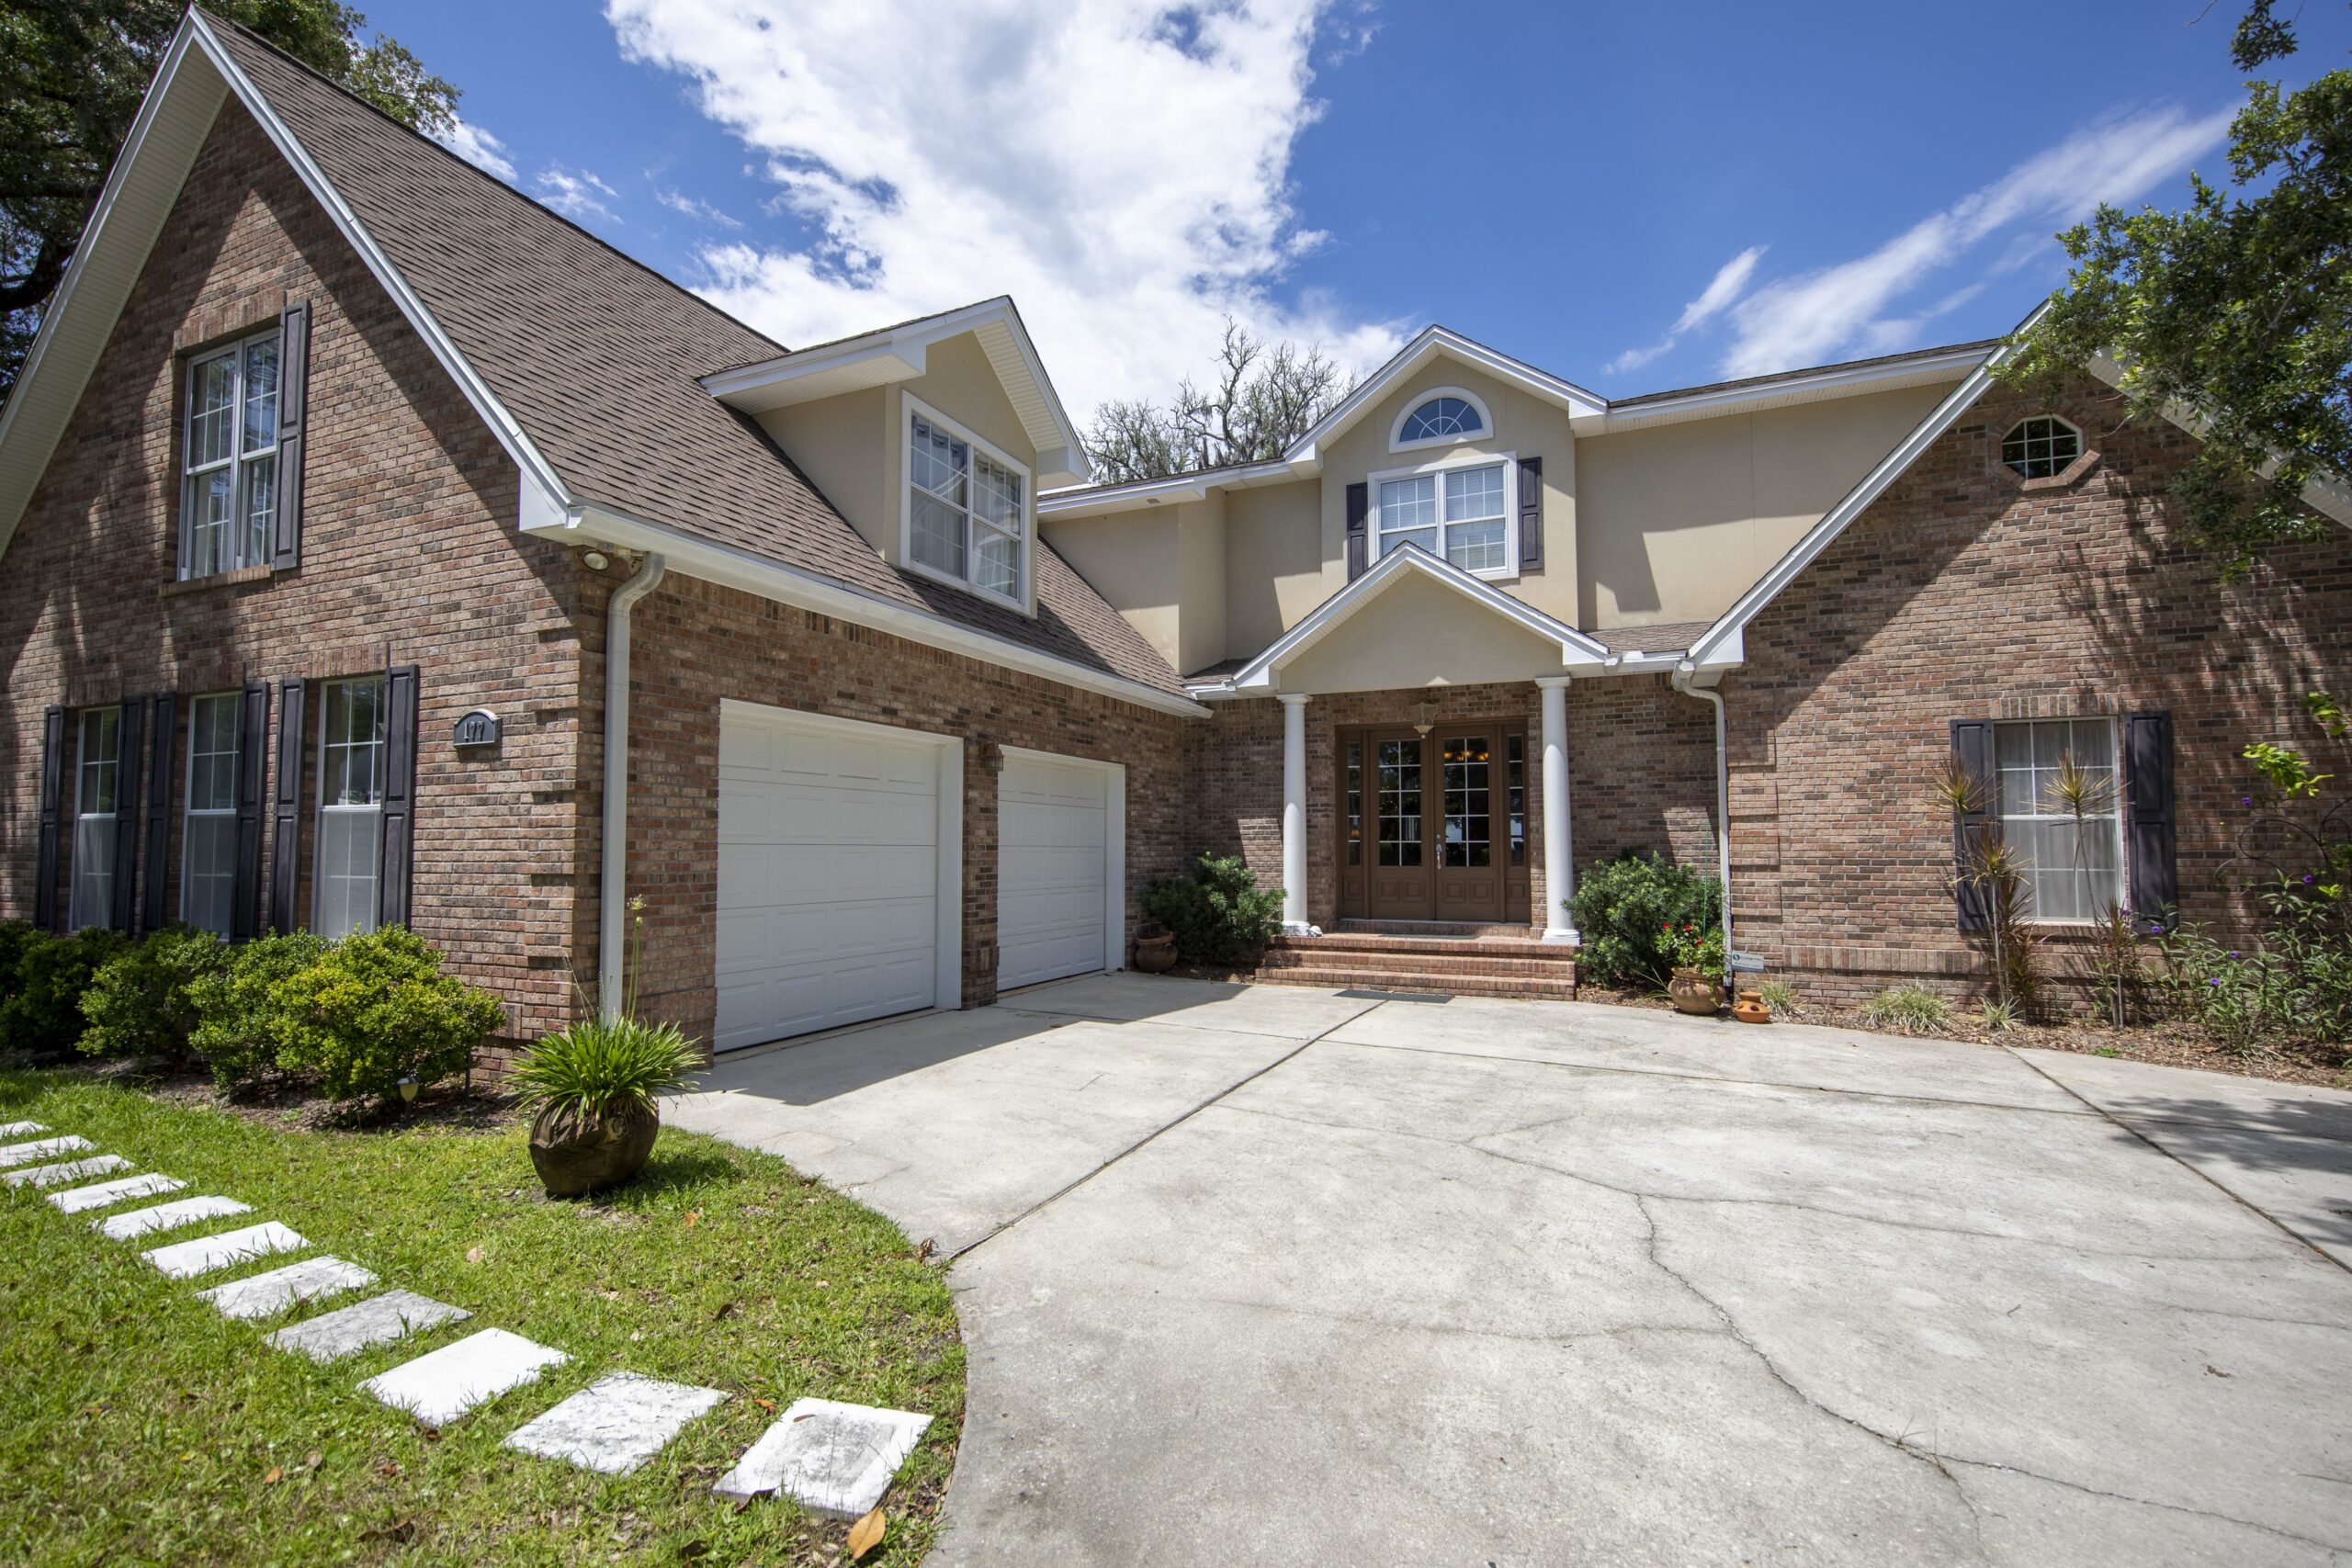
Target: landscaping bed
138 1424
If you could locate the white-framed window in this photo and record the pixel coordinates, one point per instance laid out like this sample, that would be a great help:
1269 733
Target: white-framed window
351 807
98 776
2076 868
969 511
1462 512
208 830
229 457
1439 417
2041 447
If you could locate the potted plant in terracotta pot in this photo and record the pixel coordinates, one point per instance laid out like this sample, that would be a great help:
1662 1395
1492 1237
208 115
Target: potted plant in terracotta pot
1697 954
1154 948
592 1087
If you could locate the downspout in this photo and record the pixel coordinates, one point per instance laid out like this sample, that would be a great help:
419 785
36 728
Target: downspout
1722 805
612 902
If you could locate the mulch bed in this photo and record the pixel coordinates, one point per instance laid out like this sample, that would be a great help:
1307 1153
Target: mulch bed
445 1107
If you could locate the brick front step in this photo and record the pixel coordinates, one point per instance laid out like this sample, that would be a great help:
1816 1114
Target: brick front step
1449 947
1451 984
1451 929
1483 966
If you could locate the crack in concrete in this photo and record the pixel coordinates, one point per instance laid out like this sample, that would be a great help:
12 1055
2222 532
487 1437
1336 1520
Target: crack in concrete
2147 1502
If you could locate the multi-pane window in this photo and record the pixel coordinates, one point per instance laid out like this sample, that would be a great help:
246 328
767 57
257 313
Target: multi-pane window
97 774
1441 419
1355 802
1398 802
1515 783
967 511
1469 821
209 838
1455 512
2041 447
2076 864
229 503
351 806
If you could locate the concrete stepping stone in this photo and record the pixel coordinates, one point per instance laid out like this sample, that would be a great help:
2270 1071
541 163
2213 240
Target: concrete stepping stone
616 1423
43 1148
70 1170
168 1216
265 1294
441 1385
76 1199
18 1129
186 1260
830 1458
378 1320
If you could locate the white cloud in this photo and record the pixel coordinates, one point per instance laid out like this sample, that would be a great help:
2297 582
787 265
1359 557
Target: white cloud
1121 170
1816 316
577 194
478 147
1725 286
701 211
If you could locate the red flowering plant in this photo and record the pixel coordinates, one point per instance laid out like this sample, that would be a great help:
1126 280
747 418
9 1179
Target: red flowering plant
1693 946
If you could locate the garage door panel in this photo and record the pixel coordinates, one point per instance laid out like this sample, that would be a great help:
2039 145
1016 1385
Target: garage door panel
1052 838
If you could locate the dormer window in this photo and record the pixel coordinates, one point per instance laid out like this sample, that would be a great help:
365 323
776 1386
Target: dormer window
1448 414
229 498
967 518
2042 446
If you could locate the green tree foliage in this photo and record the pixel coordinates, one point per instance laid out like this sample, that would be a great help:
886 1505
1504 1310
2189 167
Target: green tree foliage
1263 401
2236 310
72 74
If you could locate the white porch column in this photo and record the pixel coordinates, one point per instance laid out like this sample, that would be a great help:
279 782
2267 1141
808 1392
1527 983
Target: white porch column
1559 856
1295 816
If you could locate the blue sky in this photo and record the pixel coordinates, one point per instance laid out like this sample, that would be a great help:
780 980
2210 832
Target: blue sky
1634 197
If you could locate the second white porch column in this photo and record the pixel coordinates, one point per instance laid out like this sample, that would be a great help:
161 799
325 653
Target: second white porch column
1559 856
1295 816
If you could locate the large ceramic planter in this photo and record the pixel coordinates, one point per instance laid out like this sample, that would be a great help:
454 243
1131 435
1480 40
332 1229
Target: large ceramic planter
576 1154
1156 955
1693 993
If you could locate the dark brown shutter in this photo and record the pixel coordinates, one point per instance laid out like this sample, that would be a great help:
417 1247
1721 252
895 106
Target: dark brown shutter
1531 514
293 392
1972 746
1359 513
163 729
286 809
2154 888
400 796
52 792
252 788
129 758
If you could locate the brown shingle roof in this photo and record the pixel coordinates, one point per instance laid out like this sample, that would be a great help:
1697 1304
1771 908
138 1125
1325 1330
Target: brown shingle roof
1986 344
596 356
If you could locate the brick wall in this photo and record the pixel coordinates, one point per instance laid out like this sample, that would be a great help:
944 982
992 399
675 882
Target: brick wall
408 556
694 644
1967 593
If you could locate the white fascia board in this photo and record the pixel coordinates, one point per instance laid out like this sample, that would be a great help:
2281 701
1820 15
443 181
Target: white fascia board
1430 342
1577 652
538 473
733 568
2323 492
1836 381
1096 501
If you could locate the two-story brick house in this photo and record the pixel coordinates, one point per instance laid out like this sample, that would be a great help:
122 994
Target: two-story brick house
384 548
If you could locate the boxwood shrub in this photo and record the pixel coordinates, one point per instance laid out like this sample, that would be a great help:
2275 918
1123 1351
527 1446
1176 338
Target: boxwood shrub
1627 910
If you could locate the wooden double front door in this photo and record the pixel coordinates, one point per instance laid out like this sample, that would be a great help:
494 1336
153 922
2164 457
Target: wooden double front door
1433 826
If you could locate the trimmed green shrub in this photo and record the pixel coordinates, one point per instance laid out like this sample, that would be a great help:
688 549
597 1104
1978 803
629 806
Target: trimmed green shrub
374 1008
1218 915
1906 1010
137 1004
1631 912
43 1016
15 937
237 1027
605 1065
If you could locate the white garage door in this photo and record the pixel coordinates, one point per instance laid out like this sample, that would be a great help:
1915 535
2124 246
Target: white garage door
1053 834
828 873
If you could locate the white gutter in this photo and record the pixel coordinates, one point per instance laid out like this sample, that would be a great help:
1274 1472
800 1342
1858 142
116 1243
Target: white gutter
728 567
612 911
1722 803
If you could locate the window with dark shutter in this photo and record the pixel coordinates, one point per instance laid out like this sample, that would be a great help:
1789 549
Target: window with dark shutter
293 395
1971 747
399 794
127 820
52 792
1359 513
2148 830
286 809
252 788
1531 514
163 731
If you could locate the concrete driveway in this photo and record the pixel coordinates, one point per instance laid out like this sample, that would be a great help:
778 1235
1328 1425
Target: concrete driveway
1270 1274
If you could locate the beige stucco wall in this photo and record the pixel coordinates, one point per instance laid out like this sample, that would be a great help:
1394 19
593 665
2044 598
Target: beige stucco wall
1275 570
1418 633
1163 568
854 446
1676 521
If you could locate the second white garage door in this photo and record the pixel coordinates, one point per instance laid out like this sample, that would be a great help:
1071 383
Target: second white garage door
828 871
1060 825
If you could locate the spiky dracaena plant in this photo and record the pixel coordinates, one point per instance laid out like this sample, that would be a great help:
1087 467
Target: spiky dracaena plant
2079 795
1997 870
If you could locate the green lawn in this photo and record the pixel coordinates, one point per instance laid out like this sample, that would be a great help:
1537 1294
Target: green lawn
138 1426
